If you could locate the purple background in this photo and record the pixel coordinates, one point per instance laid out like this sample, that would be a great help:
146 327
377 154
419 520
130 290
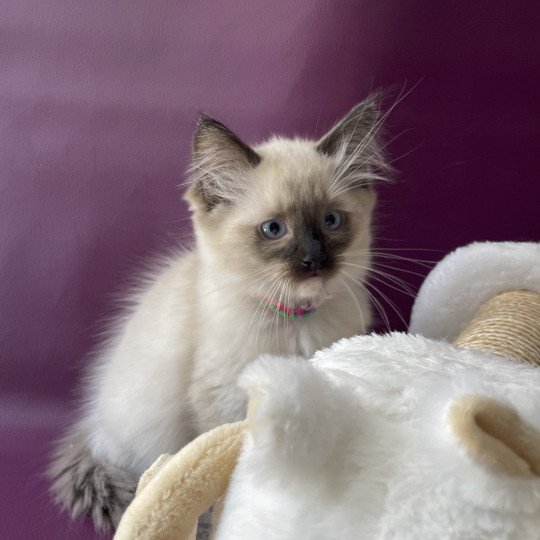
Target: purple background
97 105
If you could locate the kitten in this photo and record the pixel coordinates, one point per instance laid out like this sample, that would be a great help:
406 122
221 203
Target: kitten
283 233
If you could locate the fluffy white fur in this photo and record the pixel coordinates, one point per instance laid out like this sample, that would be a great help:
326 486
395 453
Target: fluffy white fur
356 445
466 278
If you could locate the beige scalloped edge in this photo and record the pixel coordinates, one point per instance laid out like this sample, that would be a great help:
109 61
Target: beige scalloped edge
493 434
177 489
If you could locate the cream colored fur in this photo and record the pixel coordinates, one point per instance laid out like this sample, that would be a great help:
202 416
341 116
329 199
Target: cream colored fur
170 368
172 371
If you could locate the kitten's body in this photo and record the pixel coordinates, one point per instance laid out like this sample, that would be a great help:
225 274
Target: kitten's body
145 407
170 371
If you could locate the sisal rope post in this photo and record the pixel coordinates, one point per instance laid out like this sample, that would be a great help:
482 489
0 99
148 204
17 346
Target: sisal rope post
508 324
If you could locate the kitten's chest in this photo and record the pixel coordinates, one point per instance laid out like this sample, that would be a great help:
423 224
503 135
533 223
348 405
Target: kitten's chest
232 342
299 339
227 344
287 336
248 338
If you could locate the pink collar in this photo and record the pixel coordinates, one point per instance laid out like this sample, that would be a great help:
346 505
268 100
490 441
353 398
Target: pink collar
289 312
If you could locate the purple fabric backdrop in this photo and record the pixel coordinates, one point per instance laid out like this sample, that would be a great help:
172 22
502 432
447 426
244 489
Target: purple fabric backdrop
97 104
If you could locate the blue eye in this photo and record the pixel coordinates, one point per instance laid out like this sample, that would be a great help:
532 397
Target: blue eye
274 228
332 220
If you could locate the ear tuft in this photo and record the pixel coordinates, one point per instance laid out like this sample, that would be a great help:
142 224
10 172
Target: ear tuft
220 161
354 142
211 135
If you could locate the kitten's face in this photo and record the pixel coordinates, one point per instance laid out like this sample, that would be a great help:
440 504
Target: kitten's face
297 226
293 221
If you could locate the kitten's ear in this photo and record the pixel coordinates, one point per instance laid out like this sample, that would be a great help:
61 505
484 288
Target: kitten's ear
355 144
220 162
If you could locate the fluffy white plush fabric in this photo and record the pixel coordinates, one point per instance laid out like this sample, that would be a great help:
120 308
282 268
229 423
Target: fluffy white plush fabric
466 278
393 437
357 445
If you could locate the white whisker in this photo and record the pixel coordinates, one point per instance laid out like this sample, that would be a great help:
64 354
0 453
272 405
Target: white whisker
374 300
389 302
360 312
399 284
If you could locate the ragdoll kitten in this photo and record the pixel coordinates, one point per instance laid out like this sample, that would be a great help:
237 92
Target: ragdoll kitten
283 234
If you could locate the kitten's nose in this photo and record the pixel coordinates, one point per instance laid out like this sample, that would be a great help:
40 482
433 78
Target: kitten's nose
315 256
310 264
314 261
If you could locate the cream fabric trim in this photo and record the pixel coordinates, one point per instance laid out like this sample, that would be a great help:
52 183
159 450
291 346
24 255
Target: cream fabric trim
176 490
495 435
